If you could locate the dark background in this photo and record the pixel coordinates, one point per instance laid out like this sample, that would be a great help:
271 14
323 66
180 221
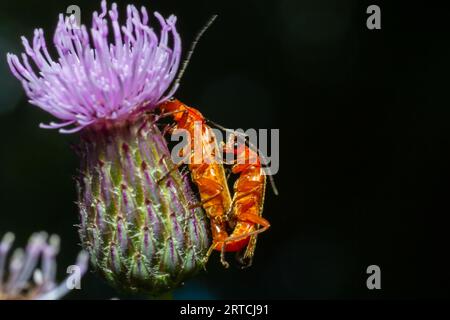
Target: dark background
365 142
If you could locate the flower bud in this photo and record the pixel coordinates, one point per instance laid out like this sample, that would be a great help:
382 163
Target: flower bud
136 217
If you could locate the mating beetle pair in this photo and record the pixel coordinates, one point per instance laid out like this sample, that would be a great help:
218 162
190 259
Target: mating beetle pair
242 213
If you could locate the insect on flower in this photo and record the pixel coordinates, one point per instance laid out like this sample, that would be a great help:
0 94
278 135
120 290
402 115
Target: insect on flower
248 200
243 213
23 280
207 173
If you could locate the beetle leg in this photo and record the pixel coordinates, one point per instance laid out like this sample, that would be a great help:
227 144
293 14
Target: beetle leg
212 185
252 218
246 260
174 168
167 174
168 128
219 233
222 256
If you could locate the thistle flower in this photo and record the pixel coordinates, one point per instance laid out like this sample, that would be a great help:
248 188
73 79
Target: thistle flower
16 282
93 84
137 218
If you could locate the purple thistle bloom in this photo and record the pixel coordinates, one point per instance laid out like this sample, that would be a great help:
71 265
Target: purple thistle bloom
23 279
94 81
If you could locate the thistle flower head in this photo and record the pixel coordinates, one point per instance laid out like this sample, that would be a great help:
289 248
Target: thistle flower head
22 279
94 80
139 219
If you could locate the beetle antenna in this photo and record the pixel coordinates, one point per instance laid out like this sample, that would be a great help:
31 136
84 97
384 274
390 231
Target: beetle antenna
192 49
